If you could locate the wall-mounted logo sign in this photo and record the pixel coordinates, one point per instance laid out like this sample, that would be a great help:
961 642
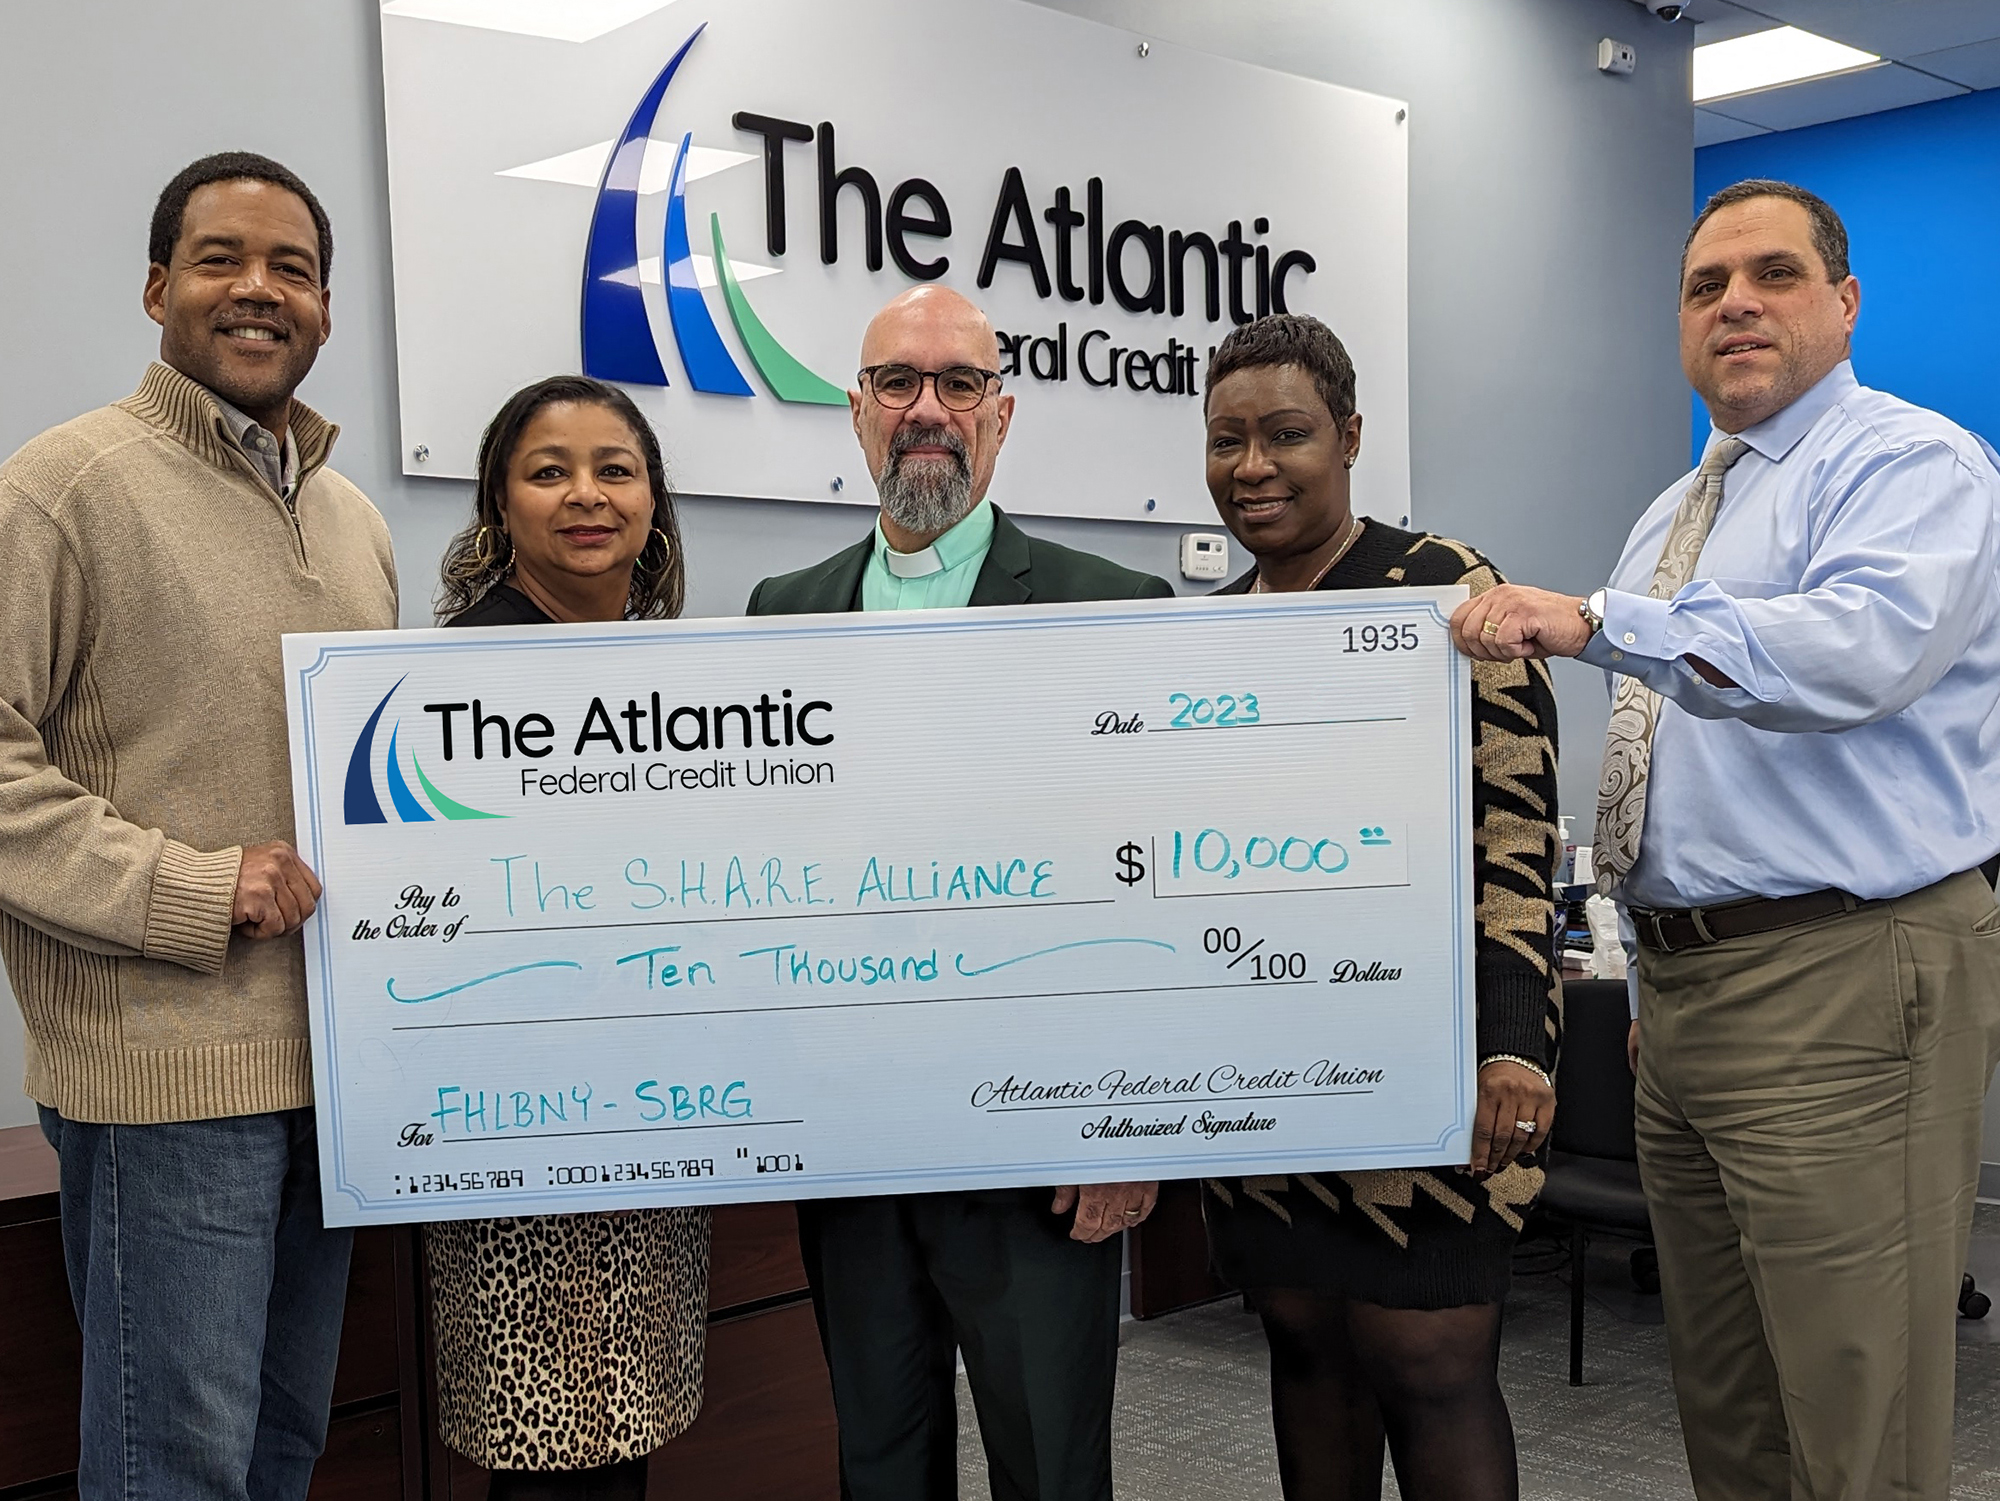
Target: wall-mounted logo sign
617 337
707 202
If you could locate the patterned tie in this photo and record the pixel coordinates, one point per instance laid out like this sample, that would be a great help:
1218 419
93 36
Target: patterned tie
1635 708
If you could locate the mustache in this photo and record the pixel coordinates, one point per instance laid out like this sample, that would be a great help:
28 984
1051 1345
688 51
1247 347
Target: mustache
927 496
245 311
927 437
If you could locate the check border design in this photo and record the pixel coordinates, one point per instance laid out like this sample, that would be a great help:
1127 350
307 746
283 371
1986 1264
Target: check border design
1420 604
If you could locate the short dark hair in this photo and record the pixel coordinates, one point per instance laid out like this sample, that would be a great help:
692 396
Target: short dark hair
1289 339
231 166
476 559
1829 235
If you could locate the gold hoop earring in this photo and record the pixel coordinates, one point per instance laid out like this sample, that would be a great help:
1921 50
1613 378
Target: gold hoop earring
487 556
666 550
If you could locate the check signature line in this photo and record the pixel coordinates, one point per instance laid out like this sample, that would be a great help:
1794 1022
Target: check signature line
1179 1099
1272 724
498 974
681 922
914 1000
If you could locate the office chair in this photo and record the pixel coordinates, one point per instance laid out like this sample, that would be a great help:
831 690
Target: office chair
1593 1167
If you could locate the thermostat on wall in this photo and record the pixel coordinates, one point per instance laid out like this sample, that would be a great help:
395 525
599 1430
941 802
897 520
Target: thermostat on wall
1204 555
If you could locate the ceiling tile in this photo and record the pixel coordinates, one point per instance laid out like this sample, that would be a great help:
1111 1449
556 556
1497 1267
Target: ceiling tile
1891 28
1976 66
1711 129
1718 21
1862 92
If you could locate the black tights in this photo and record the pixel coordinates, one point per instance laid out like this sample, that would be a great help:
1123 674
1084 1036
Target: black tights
625 1481
1347 1375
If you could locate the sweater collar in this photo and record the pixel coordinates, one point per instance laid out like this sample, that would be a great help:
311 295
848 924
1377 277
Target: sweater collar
189 412
1376 553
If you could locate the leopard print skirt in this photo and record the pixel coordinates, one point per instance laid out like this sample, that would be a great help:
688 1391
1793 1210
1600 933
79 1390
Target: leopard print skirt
571 1340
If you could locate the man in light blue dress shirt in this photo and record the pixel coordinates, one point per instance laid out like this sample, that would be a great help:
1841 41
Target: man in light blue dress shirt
1793 817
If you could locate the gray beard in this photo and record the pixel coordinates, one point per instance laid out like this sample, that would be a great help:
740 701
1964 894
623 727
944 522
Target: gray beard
927 496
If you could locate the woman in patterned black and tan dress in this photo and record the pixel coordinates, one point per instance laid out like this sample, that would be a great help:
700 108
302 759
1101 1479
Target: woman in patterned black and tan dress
568 1346
1380 1292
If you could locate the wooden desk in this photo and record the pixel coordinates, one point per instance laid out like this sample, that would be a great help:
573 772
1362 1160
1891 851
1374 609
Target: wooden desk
377 1427
766 1428
1169 1255
41 1353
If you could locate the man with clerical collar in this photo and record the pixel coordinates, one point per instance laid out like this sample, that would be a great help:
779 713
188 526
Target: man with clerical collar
150 897
902 1282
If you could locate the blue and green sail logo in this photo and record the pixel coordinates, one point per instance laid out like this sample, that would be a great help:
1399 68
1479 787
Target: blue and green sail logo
617 340
361 803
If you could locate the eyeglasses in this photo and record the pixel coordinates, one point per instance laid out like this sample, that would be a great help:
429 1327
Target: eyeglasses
897 387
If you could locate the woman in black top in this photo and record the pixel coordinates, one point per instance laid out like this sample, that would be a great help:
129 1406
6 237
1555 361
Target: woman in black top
1380 1291
568 1346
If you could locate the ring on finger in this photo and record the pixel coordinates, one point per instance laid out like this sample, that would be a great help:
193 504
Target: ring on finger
1527 1128
1489 629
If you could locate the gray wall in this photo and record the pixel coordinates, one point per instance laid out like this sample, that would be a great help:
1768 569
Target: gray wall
1546 207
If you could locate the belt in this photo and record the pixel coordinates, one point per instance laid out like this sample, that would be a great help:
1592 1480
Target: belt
1694 927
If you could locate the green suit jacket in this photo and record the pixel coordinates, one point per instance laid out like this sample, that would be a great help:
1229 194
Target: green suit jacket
1019 570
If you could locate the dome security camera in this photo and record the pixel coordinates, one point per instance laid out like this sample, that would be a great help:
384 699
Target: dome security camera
1666 10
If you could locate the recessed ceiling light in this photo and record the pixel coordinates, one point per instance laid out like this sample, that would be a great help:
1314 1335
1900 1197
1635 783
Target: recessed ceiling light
1766 59
584 167
647 272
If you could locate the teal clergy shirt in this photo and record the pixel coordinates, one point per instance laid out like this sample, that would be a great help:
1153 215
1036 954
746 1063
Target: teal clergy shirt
938 577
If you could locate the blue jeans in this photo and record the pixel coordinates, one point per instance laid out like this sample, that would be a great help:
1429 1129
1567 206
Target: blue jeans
210 1297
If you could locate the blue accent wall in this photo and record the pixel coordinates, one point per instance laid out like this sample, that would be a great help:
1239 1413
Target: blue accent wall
1919 189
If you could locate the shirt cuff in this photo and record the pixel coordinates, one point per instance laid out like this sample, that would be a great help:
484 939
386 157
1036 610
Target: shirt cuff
1636 624
193 898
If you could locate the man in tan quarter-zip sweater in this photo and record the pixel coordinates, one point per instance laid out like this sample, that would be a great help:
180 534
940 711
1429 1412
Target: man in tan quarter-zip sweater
154 552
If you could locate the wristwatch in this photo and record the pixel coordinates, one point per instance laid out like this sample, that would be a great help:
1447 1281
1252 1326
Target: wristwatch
1592 611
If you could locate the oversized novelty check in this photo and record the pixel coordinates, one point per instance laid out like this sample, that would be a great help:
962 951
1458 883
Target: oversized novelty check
718 910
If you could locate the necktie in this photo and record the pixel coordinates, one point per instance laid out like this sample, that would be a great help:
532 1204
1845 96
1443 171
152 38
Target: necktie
1635 708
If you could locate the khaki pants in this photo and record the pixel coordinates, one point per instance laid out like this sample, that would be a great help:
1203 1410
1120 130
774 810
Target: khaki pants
1809 1108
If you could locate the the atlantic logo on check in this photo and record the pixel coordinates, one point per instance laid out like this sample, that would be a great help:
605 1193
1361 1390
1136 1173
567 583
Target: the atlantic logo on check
688 742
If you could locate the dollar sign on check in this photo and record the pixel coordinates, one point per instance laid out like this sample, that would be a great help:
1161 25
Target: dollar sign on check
1131 869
